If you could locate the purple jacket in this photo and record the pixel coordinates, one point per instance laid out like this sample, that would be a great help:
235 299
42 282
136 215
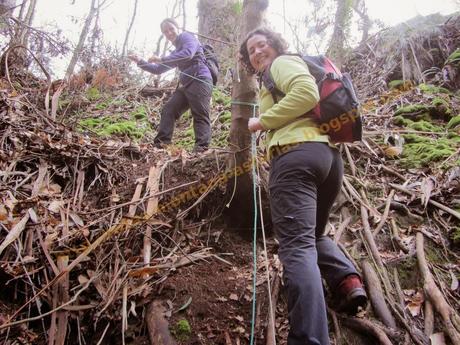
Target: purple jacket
188 57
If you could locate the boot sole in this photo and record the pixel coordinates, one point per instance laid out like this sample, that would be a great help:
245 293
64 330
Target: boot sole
355 299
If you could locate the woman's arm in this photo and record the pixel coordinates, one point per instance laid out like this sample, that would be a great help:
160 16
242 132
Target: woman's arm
187 48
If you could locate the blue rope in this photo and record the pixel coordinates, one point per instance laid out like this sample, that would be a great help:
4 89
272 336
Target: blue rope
254 183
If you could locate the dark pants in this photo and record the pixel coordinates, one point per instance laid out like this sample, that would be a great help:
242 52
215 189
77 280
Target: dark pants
196 96
304 183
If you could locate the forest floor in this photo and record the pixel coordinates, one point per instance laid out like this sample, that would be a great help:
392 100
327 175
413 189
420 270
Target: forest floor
107 240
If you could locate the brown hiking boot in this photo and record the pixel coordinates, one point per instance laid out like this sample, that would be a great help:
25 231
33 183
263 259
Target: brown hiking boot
351 295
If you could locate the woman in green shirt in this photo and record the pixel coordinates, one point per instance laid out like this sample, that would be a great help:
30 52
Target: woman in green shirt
305 177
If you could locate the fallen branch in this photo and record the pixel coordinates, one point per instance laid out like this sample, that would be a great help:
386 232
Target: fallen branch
449 316
376 295
432 202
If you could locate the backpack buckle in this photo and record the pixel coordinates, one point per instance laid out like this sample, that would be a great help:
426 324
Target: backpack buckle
332 76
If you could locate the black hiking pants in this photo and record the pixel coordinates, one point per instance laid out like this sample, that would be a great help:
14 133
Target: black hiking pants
196 96
304 183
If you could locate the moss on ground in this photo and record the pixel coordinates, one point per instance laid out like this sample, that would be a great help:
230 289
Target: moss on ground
421 151
182 330
107 126
454 122
226 117
432 89
412 109
422 125
140 113
221 98
400 84
93 94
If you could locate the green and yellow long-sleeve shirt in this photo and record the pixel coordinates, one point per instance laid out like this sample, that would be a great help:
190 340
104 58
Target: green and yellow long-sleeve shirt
292 77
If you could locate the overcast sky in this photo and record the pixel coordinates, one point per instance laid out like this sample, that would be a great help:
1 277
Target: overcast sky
117 14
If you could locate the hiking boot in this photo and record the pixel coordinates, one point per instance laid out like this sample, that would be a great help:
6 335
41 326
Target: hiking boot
351 295
199 149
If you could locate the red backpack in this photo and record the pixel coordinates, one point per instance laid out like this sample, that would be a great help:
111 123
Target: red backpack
337 112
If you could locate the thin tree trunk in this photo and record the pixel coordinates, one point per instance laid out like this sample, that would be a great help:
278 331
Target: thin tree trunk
28 21
336 48
81 41
219 20
245 91
184 17
359 6
125 43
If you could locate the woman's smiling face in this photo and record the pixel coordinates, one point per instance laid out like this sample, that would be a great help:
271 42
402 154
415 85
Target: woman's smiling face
170 31
261 53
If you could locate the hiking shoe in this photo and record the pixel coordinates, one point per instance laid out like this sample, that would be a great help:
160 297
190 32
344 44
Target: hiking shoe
351 295
199 149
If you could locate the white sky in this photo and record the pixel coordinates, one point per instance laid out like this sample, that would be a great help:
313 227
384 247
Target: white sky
117 14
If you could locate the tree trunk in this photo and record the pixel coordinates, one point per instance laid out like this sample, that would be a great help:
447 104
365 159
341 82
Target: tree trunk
220 20
18 58
125 43
245 90
359 6
336 50
81 41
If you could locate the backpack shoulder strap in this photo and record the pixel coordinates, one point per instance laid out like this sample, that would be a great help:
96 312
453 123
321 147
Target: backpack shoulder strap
267 80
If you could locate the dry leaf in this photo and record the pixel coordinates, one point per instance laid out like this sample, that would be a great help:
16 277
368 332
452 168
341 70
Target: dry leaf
55 206
33 216
76 219
3 213
222 299
426 188
233 297
82 279
14 232
415 303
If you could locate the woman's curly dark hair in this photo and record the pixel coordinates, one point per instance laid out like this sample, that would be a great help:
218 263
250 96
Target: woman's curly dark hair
274 39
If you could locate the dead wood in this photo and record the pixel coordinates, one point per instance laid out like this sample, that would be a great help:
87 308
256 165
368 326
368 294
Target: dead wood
368 327
271 333
376 295
157 324
449 316
429 319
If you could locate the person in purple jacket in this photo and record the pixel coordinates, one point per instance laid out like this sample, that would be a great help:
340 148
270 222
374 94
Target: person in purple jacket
194 91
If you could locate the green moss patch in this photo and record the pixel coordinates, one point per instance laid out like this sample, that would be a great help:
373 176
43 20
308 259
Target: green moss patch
182 330
412 109
107 126
220 98
93 94
400 84
432 89
421 151
140 113
226 117
454 122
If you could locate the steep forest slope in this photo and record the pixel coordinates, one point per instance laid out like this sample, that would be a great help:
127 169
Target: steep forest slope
106 239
